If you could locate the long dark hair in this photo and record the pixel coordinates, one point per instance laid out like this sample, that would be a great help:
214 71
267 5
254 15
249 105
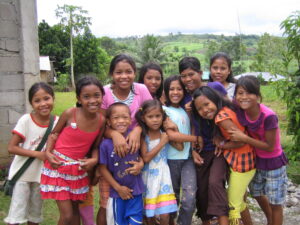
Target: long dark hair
144 70
144 109
167 85
222 55
217 99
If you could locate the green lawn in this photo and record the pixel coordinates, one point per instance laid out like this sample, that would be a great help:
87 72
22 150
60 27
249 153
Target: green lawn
66 100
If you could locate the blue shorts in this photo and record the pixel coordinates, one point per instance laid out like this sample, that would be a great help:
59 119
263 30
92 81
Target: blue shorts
128 211
272 183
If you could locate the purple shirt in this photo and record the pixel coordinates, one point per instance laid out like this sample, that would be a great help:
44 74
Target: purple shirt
267 120
117 167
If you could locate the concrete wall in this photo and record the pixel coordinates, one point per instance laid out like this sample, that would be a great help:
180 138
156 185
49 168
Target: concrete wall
19 64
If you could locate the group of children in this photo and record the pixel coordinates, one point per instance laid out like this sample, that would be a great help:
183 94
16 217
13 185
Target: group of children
163 148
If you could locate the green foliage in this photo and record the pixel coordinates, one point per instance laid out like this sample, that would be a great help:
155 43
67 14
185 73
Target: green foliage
63 82
291 86
54 42
74 20
271 55
150 49
111 46
291 26
89 57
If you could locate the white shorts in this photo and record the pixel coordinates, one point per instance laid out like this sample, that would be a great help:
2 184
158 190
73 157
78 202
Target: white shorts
26 203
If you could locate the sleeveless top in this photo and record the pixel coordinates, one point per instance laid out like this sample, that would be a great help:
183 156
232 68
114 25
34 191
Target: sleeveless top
75 143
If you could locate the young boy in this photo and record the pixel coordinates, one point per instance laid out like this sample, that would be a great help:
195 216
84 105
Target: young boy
126 202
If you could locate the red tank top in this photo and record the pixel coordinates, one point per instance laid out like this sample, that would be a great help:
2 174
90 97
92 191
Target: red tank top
75 143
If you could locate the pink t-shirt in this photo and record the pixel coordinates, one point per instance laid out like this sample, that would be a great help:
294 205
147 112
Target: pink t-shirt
266 121
141 94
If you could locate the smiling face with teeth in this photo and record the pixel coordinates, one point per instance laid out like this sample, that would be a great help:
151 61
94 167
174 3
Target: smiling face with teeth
205 107
119 118
123 76
90 98
245 99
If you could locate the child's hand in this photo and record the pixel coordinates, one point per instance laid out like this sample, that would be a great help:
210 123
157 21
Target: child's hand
188 107
87 164
197 158
41 155
125 193
236 134
134 141
218 151
120 145
53 160
199 143
164 138
136 167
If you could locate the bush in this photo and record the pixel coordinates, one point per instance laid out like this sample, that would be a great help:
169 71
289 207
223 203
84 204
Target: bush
63 83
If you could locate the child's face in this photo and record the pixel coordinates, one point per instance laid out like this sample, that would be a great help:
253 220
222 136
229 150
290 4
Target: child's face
123 75
245 99
191 79
90 98
175 93
153 118
42 103
119 119
152 80
205 107
219 70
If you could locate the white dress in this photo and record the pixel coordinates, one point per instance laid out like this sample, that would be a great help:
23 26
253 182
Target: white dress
159 197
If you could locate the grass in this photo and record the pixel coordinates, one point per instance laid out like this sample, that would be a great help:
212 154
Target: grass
65 100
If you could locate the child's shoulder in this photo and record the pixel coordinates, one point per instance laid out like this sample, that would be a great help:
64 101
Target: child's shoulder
266 110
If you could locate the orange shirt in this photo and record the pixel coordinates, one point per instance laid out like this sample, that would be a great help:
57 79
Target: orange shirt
240 159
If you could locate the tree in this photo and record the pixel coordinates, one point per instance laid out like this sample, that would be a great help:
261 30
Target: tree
291 86
54 42
74 20
150 49
89 56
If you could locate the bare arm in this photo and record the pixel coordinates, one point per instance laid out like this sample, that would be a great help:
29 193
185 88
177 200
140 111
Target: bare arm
149 155
228 125
123 191
268 145
14 148
179 137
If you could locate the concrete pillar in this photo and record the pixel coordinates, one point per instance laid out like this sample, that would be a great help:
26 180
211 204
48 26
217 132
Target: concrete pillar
19 64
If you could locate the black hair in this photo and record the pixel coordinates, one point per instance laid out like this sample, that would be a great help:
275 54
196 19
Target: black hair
223 55
145 108
250 84
167 85
120 58
189 62
112 106
87 80
36 87
217 99
144 70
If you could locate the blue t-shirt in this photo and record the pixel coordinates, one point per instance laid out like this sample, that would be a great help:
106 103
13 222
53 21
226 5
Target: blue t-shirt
182 120
117 166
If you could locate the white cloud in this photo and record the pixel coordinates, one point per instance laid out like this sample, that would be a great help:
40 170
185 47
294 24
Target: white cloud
117 18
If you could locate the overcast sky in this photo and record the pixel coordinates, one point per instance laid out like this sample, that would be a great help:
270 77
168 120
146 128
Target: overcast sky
121 18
